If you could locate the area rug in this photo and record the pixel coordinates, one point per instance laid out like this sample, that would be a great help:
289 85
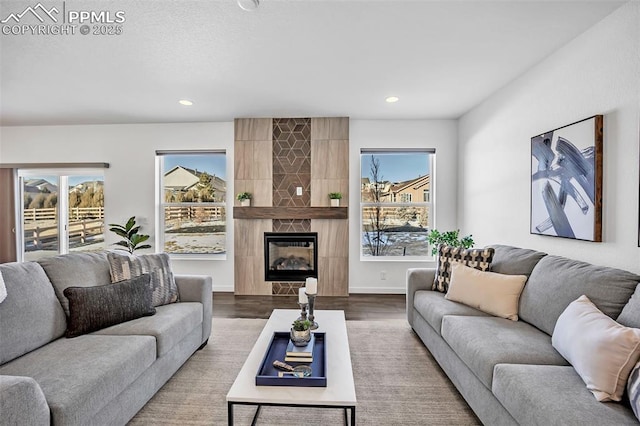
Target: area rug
397 382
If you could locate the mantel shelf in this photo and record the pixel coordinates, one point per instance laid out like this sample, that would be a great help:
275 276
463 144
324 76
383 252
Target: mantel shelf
290 212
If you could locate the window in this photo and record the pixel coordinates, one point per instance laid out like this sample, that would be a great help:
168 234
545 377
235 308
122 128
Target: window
192 191
61 212
394 225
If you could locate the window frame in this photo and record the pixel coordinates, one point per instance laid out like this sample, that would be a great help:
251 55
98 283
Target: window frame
62 175
161 204
429 205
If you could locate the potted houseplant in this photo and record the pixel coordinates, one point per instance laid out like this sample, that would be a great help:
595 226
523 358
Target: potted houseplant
335 198
132 240
244 198
450 238
300 332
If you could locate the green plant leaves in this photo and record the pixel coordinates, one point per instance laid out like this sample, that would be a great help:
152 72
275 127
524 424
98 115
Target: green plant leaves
129 232
450 238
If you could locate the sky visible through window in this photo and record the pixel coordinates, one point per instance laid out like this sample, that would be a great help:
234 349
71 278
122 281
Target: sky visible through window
397 167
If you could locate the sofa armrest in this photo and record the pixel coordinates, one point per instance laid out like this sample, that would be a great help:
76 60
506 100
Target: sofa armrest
417 279
198 288
22 402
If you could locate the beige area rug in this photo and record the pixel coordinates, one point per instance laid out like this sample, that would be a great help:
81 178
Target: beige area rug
397 382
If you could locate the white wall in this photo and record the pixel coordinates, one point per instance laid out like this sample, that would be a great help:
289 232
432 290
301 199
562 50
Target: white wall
596 73
130 180
364 276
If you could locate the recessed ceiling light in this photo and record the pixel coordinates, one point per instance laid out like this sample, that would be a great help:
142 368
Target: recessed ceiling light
249 5
185 102
392 99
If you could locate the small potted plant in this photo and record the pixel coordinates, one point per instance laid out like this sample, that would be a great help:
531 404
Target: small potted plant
244 198
335 198
450 238
301 332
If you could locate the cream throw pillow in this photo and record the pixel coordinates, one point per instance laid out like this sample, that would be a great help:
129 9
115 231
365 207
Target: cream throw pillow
601 351
493 293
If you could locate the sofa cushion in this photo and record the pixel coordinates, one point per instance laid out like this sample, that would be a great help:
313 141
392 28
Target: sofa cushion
601 351
474 258
22 402
557 281
553 395
510 260
495 294
483 342
163 285
633 390
433 306
77 270
630 315
169 325
31 315
80 376
93 308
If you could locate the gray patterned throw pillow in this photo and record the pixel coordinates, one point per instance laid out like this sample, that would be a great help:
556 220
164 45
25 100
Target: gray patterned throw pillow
474 258
163 285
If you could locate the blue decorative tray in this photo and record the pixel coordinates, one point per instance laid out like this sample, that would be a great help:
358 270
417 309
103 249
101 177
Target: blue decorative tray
268 375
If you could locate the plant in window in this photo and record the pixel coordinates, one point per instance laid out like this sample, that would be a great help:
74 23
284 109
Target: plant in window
450 238
132 240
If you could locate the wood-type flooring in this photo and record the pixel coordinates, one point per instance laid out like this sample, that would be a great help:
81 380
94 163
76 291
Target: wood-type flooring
356 306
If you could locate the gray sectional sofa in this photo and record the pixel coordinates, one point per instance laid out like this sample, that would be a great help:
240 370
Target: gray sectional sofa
100 378
508 371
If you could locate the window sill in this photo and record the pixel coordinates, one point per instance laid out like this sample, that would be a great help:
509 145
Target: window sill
197 256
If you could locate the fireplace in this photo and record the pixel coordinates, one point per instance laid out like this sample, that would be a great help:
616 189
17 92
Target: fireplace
290 256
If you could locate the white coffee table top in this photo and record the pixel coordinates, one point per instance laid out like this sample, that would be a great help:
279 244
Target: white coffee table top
340 390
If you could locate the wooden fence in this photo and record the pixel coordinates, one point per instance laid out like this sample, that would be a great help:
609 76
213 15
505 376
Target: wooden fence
196 213
75 213
80 232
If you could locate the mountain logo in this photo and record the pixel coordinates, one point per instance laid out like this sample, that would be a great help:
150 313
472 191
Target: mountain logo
39 11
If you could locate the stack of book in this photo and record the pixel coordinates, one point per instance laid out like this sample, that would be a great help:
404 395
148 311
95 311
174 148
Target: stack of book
300 353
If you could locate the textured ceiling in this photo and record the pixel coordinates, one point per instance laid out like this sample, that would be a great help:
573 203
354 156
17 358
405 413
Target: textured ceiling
286 59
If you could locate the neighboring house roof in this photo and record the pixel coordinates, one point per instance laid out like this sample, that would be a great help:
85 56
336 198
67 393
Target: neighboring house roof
416 183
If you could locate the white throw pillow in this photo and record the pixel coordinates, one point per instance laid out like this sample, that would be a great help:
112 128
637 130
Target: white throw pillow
490 292
601 351
3 289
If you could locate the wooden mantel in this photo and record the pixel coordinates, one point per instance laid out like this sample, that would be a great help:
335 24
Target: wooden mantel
290 212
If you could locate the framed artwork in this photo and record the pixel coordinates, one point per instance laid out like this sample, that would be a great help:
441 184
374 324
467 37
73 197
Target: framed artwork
566 181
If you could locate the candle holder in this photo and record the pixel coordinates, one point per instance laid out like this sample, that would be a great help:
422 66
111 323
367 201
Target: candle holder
312 299
303 311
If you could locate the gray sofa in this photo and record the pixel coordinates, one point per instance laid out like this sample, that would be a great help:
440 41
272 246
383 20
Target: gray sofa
508 371
100 378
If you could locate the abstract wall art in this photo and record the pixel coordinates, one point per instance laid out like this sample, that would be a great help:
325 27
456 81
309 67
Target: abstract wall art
566 181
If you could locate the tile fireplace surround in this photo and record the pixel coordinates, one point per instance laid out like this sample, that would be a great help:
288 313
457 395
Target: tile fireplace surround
273 157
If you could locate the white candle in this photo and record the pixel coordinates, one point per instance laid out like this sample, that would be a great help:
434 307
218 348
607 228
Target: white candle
302 296
312 285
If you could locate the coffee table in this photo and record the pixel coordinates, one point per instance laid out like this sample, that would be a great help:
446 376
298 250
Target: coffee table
340 391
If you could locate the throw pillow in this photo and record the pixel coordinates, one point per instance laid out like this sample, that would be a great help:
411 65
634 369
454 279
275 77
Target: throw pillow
475 258
633 390
93 308
163 285
3 289
601 351
490 292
